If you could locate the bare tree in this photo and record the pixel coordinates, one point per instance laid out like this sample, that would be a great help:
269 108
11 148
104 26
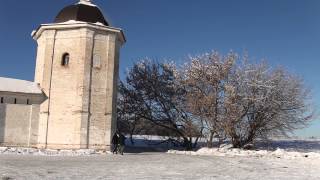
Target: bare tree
150 94
204 77
213 96
261 102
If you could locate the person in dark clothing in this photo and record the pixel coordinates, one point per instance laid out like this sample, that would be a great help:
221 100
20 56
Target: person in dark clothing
115 142
122 143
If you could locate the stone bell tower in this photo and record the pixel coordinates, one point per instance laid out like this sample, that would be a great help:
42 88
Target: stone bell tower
77 68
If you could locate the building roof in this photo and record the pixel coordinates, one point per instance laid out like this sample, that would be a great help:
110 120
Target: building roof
19 86
82 11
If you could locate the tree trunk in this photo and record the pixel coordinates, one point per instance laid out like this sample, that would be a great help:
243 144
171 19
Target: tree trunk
210 141
187 144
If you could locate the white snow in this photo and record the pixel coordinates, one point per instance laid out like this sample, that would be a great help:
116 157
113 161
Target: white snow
19 86
88 3
156 166
99 23
292 160
79 22
48 152
279 153
72 22
307 149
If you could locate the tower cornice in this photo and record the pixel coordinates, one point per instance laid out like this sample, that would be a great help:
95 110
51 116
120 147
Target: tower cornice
64 26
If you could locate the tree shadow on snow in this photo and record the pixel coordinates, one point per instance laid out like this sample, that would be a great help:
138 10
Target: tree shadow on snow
149 146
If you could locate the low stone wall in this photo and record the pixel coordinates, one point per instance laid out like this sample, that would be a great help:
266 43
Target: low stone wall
18 125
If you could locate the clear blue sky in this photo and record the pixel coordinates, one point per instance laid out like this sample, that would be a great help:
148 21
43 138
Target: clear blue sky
285 32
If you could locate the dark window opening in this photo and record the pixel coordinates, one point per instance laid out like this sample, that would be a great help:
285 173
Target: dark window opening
65 59
2 99
15 100
28 102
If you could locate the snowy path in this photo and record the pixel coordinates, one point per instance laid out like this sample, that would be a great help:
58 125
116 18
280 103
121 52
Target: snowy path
155 166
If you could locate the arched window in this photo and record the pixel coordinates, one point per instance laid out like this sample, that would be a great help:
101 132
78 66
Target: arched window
65 59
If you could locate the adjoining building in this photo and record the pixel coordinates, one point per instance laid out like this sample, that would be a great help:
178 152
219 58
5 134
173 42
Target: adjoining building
72 102
19 111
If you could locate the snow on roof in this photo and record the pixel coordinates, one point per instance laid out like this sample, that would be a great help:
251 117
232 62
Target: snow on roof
19 86
85 2
78 22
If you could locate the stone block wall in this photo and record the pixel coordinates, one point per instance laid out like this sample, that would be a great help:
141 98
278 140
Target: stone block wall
19 125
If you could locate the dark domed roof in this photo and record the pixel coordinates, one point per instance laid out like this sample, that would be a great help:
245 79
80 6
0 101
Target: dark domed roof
81 12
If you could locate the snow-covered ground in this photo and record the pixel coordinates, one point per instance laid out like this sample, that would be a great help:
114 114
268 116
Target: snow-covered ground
301 145
279 153
48 152
156 166
278 159
280 148
285 149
